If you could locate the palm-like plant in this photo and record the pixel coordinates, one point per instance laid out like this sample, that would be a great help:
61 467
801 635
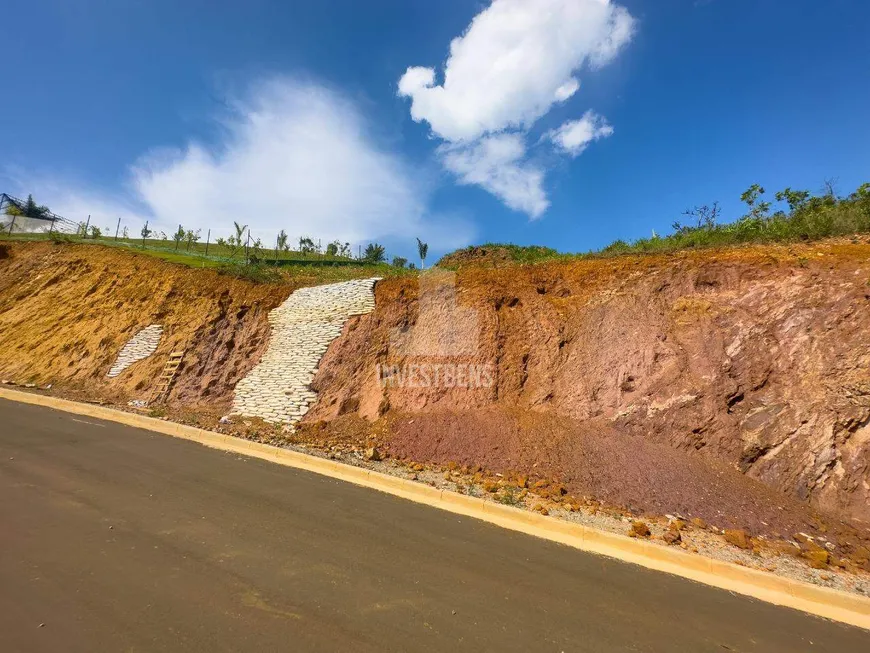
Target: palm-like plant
423 250
237 241
240 231
281 243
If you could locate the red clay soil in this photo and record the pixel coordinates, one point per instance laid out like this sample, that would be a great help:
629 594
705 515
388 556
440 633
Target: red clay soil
752 360
593 459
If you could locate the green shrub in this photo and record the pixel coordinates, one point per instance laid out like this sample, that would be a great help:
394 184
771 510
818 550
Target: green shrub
256 272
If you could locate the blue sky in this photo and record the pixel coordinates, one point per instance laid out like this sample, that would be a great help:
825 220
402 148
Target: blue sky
289 114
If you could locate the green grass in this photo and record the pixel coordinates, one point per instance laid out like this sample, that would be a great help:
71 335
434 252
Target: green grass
181 252
310 270
823 218
807 219
516 253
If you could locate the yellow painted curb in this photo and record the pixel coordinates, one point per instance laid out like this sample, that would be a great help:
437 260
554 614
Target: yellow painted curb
821 601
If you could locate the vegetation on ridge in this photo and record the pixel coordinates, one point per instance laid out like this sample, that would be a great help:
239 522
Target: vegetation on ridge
804 217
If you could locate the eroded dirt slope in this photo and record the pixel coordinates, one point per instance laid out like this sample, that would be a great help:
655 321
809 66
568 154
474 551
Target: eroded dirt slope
730 385
756 359
66 310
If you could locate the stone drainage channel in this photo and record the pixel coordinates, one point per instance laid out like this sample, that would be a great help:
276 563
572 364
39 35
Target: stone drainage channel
277 388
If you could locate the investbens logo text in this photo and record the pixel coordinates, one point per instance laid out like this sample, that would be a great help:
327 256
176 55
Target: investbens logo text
437 375
442 349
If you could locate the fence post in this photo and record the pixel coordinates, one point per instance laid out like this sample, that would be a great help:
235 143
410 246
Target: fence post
144 232
207 239
177 240
247 244
87 224
51 227
117 229
12 225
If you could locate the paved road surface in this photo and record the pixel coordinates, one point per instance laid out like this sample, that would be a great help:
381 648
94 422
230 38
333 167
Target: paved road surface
118 539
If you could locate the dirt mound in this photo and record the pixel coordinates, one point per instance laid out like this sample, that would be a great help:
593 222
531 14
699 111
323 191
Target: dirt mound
66 311
757 358
594 459
494 256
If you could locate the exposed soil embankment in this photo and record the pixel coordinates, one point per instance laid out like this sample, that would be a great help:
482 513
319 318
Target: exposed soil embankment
728 385
667 373
67 310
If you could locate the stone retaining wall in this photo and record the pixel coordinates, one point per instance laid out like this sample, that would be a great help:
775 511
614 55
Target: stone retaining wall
140 346
277 389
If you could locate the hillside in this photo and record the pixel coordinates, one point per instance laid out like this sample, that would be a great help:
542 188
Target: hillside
731 385
756 357
66 311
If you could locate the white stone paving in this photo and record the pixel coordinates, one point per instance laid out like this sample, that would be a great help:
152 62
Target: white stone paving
277 389
140 346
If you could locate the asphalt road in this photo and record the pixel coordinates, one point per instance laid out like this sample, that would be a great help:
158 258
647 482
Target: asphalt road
118 539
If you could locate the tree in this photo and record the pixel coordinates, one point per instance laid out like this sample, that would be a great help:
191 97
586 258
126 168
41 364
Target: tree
32 210
95 231
221 242
752 198
399 262
145 233
255 251
423 250
191 237
796 199
178 236
30 207
374 253
306 246
862 193
705 216
125 234
337 248
281 244
344 249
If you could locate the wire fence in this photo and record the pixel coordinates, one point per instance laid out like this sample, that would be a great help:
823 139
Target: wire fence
241 247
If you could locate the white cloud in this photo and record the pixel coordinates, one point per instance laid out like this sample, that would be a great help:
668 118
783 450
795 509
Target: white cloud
567 89
415 79
295 156
514 62
298 157
574 136
496 163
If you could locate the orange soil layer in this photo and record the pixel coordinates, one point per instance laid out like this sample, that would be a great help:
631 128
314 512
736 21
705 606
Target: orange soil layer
66 311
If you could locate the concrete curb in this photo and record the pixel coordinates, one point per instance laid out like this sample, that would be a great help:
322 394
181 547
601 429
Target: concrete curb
824 602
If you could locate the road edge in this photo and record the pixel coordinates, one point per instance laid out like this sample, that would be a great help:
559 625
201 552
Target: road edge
820 601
